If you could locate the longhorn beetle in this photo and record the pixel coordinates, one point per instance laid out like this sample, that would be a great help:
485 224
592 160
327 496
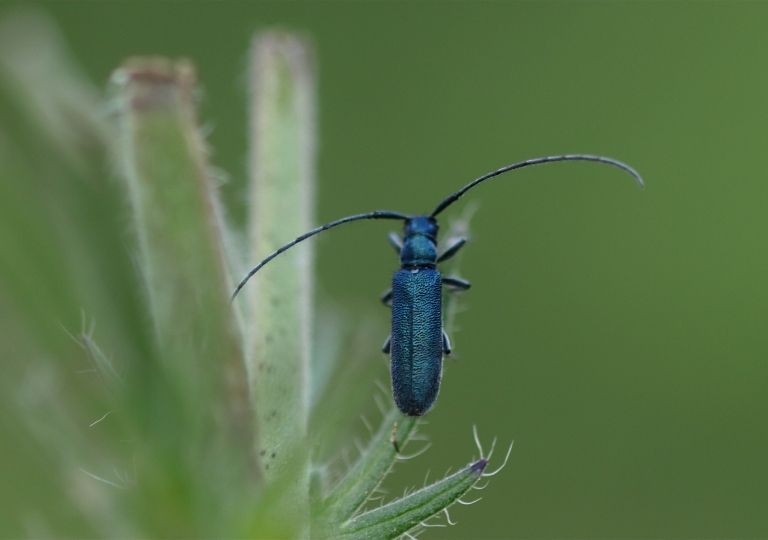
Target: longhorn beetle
417 342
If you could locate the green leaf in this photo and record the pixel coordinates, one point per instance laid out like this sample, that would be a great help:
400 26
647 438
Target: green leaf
402 515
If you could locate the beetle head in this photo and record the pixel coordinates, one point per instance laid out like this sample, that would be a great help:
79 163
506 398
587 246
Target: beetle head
422 226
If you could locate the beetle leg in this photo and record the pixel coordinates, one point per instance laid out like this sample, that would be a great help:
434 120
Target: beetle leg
456 283
451 250
446 343
386 298
396 241
387 345
393 438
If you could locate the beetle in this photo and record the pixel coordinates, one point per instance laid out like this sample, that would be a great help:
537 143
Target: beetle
418 341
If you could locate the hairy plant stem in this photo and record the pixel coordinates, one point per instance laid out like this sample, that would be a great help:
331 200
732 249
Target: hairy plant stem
282 160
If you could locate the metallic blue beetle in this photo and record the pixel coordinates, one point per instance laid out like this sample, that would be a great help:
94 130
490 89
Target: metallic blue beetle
418 341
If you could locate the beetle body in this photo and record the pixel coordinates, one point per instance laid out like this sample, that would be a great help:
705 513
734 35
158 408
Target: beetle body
418 342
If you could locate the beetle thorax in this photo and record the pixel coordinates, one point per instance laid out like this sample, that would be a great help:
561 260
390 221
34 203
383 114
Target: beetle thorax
420 246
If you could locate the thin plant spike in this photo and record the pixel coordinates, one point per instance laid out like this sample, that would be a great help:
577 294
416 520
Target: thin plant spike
493 446
100 479
477 441
100 419
402 457
503 464
367 424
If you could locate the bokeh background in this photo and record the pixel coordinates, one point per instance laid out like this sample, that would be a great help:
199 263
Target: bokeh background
616 334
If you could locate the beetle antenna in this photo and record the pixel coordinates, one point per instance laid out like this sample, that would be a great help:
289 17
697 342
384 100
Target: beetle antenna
538 161
379 214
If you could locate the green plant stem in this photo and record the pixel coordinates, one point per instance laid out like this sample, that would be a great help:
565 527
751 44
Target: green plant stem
282 157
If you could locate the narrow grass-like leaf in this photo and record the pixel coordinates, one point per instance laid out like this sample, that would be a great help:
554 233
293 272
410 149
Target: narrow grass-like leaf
402 515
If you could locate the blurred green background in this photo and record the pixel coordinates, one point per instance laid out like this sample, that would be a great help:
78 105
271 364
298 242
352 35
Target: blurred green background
617 335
